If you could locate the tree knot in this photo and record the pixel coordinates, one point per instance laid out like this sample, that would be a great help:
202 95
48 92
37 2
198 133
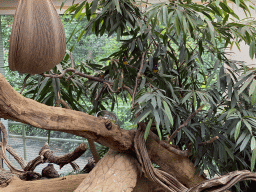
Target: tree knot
108 124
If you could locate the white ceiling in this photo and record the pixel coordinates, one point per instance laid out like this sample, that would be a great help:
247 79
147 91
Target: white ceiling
8 7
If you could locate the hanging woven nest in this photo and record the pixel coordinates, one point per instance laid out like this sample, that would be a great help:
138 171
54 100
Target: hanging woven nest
37 42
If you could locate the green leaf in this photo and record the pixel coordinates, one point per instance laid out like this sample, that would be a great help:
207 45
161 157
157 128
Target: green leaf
229 152
49 136
140 44
158 131
165 14
252 87
253 98
245 142
225 7
237 131
62 4
237 2
157 117
94 6
118 6
142 116
252 49
153 99
186 97
42 85
177 24
245 85
147 129
217 2
241 138
211 28
194 97
253 143
230 112
168 112
247 124
253 159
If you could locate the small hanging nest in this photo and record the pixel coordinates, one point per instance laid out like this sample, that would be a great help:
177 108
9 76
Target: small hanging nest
37 40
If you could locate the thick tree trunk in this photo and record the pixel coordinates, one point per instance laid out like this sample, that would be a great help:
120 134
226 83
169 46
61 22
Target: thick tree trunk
115 172
16 107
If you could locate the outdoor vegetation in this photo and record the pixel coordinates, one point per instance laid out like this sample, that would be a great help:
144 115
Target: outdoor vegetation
176 66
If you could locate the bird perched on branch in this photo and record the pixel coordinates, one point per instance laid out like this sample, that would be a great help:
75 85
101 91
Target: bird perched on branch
101 75
125 61
155 69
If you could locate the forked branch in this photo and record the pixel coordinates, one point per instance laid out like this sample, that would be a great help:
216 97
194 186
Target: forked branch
185 123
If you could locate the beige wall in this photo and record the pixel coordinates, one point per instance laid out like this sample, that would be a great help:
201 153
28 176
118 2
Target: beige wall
8 7
242 55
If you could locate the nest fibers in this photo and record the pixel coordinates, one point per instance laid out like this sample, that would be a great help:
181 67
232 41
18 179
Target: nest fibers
37 40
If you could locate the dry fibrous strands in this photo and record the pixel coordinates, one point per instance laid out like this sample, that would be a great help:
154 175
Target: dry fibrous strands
19 159
37 41
165 180
3 154
223 183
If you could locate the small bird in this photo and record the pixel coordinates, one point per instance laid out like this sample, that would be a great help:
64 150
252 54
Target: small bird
101 75
125 61
155 69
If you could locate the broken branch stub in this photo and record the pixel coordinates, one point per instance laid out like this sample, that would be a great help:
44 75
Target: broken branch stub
37 41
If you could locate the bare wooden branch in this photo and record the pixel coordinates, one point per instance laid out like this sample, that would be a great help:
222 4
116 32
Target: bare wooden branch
137 78
169 147
185 123
98 79
111 88
3 153
71 58
24 83
100 93
167 181
19 159
209 141
75 166
224 182
95 154
63 160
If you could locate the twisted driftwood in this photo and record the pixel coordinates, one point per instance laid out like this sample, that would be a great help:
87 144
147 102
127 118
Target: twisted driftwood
45 155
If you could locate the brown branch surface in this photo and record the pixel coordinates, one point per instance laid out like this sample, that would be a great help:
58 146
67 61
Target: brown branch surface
167 181
65 159
137 79
95 155
19 159
115 172
209 141
185 123
98 79
18 108
224 182
24 83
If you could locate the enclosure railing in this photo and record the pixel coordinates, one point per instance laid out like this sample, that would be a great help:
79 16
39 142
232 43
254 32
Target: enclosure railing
25 137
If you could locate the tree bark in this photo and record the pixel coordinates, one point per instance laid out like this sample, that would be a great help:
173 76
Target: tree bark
115 172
